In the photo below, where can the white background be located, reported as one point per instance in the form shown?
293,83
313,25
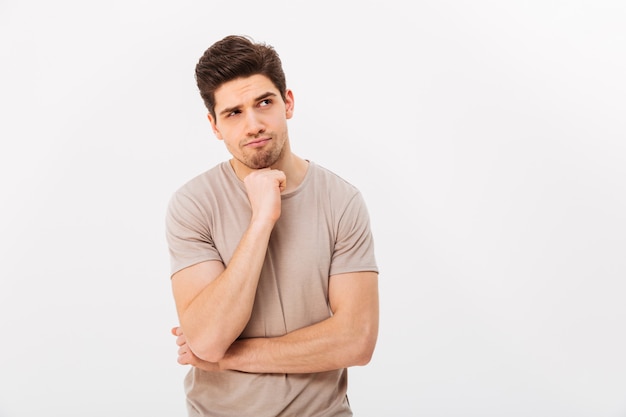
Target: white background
488,138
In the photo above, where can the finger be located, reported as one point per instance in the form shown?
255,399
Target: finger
181,340
181,360
184,357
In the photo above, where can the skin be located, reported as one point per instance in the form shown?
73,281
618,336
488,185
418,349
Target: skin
214,303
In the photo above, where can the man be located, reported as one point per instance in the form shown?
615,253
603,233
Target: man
272,258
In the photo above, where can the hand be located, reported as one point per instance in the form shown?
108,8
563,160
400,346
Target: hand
264,187
186,356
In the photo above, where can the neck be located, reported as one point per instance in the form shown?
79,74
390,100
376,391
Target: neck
292,165
295,170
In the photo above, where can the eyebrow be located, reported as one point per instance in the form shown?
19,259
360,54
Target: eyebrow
259,98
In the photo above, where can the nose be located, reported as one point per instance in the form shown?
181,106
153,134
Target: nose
254,124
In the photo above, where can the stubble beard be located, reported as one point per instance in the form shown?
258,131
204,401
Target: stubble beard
264,158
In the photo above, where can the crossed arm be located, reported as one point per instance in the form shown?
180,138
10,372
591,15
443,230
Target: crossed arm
345,339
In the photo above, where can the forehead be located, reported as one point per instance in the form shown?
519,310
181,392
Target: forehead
242,90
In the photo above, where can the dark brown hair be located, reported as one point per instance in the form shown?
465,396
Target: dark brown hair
234,57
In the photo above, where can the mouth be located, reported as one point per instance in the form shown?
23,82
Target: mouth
257,143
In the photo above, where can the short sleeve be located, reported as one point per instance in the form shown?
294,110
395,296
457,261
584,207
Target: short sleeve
188,233
354,246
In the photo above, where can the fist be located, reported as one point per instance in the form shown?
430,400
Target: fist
263,187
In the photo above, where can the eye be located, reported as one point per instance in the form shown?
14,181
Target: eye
233,113
265,103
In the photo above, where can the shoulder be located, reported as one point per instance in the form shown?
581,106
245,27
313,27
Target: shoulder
202,181
217,181
331,179
334,190
201,191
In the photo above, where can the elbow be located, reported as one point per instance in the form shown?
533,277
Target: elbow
207,351
364,354
209,346
211,355
364,347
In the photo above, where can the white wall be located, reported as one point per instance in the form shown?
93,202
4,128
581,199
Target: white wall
488,138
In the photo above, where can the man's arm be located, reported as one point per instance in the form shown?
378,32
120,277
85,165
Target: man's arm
346,339
214,303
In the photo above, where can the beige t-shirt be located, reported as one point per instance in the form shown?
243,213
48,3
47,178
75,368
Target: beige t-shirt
323,230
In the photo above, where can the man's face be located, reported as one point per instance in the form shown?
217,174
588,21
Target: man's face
251,119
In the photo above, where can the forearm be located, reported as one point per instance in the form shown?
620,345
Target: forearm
328,345
345,339
221,310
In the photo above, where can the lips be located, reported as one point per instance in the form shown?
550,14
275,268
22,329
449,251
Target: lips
257,143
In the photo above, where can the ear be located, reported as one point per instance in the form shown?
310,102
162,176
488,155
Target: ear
289,104
216,131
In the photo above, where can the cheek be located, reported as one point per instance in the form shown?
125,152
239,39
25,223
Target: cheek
224,132
232,146
228,130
